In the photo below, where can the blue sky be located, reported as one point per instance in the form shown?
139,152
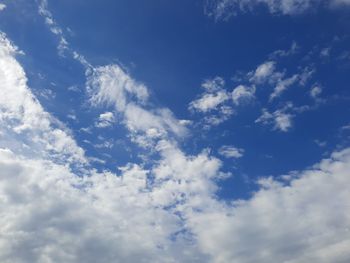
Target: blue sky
211,125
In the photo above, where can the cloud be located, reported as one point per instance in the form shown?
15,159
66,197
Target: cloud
229,151
263,72
315,92
280,119
213,96
285,53
284,222
2,6
209,102
211,85
214,102
106,119
63,45
266,73
111,85
52,211
242,94
224,9
22,116
282,85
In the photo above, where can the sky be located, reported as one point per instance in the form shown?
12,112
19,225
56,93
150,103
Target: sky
210,131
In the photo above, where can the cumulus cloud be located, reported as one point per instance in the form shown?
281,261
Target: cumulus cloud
165,213
284,223
22,116
230,151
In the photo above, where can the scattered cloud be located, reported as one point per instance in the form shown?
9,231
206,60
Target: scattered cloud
279,119
285,53
282,85
214,102
56,208
230,151
224,9
243,94
209,102
213,96
264,72
106,119
63,45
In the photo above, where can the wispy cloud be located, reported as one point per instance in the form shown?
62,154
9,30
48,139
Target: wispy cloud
224,9
230,151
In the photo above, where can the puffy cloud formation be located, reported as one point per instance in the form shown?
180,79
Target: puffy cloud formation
56,208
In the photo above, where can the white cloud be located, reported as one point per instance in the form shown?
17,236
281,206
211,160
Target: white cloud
106,119
214,102
167,213
209,101
229,151
23,118
211,85
282,85
315,92
242,93
280,119
285,53
2,6
53,26
224,9
284,223
264,72
111,85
